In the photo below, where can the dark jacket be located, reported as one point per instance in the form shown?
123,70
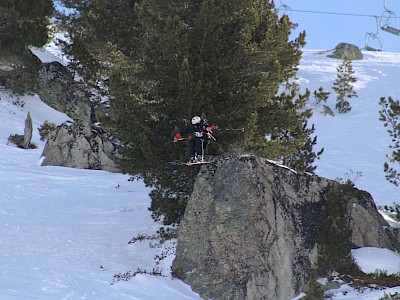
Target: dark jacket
196,130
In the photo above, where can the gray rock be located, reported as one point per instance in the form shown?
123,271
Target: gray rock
82,147
250,230
23,141
349,51
27,131
57,88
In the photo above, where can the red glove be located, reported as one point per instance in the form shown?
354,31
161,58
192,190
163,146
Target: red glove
211,128
177,137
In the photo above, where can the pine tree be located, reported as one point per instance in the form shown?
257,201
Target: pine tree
315,290
24,23
321,96
390,116
223,60
343,86
334,239
98,30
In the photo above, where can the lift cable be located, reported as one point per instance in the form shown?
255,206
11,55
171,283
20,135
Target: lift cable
336,13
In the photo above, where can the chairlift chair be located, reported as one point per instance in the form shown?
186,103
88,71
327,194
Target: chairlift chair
374,37
389,19
390,29
287,11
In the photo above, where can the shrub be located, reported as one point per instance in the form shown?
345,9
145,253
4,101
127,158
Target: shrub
45,129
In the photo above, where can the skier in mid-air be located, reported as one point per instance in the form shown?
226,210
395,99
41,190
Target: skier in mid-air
198,136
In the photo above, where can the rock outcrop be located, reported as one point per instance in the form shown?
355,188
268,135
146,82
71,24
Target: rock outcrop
56,85
250,230
82,147
23,141
349,51
28,131
57,89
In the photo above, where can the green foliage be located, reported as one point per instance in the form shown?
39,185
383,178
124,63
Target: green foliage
24,79
315,292
24,23
334,243
394,211
165,61
390,116
45,129
285,119
101,31
321,97
343,86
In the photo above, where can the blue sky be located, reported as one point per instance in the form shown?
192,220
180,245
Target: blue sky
327,23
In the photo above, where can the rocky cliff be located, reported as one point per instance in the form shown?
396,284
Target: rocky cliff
250,229
82,147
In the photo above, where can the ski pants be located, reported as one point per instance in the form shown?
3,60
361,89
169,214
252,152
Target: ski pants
197,146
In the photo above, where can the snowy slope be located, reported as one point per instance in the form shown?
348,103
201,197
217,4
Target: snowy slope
65,232
356,141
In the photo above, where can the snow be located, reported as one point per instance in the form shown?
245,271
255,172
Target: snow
356,142
387,216
371,259
47,56
346,292
65,232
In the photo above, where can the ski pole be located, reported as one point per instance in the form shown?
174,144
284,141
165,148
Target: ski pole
231,129
211,136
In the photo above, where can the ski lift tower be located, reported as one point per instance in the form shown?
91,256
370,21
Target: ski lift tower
372,38
388,21
286,10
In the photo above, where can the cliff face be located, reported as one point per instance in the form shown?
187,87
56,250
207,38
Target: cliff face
250,230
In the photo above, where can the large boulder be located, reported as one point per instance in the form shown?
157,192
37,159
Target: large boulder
250,230
346,51
82,147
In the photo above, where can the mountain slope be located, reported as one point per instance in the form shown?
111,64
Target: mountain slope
65,232
356,141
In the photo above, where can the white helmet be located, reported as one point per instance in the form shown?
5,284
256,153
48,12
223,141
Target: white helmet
196,120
